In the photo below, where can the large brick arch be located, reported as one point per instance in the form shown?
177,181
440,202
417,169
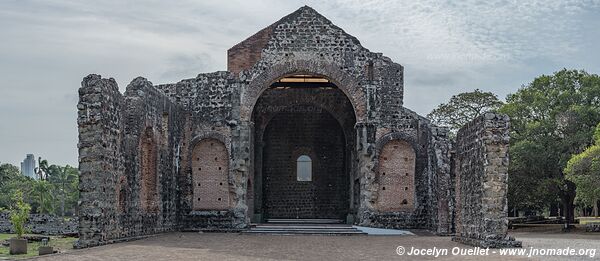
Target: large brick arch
346,83
335,114
396,177
210,169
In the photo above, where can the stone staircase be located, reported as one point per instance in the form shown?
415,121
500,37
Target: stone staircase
304,227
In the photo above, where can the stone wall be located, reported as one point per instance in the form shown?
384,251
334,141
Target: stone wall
442,180
424,213
128,146
210,97
481,169
137,149
211,101
100,158
149,112
42,224
306,42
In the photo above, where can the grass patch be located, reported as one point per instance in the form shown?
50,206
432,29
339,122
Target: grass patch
5,236
59,243
585,220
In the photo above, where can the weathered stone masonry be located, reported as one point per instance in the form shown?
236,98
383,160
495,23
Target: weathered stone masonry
218,151
120,197
42,224
481,167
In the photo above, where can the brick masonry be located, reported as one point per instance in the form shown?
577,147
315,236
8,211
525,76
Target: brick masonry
396,177
148,190
319,136
209,176
143,153
315,122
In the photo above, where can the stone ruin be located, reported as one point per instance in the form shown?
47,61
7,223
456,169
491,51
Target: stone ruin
305,123
480,168
44,224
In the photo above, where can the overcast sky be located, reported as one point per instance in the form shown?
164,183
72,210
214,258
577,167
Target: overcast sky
47,47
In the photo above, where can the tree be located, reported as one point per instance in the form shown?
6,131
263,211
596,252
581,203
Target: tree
43,169
73,196
528,188
42,197
552,118
463,108
584,170
19,213
11,180
8,172
56,183
61,183
63,178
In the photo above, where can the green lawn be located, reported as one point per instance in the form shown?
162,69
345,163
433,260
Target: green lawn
585,220
59,243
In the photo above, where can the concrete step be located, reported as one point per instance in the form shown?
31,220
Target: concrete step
302,227
306,232
305,221
301,224
286,227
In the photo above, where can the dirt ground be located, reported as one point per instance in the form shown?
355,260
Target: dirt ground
233,246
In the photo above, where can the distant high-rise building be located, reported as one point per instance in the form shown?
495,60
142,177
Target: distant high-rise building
28,166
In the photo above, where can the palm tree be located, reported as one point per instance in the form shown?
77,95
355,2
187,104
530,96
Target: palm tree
43,168
41,193
62,177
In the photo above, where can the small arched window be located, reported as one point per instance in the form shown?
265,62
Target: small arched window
304,168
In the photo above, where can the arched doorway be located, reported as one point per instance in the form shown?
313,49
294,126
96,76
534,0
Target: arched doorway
304,151
291,140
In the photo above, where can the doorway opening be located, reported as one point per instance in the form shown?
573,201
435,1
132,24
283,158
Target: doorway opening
304,140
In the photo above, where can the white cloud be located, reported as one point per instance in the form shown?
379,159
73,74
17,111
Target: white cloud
446,47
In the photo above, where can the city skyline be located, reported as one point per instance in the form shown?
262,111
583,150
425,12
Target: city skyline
28,166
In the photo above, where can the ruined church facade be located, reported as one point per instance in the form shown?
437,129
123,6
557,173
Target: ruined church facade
305,124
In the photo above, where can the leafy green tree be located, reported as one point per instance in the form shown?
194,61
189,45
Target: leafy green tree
584,170
597,135
552,118
463,108
11,180
19,213
58,188
528,188
7,173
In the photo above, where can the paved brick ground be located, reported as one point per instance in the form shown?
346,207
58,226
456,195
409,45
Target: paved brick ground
219,246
